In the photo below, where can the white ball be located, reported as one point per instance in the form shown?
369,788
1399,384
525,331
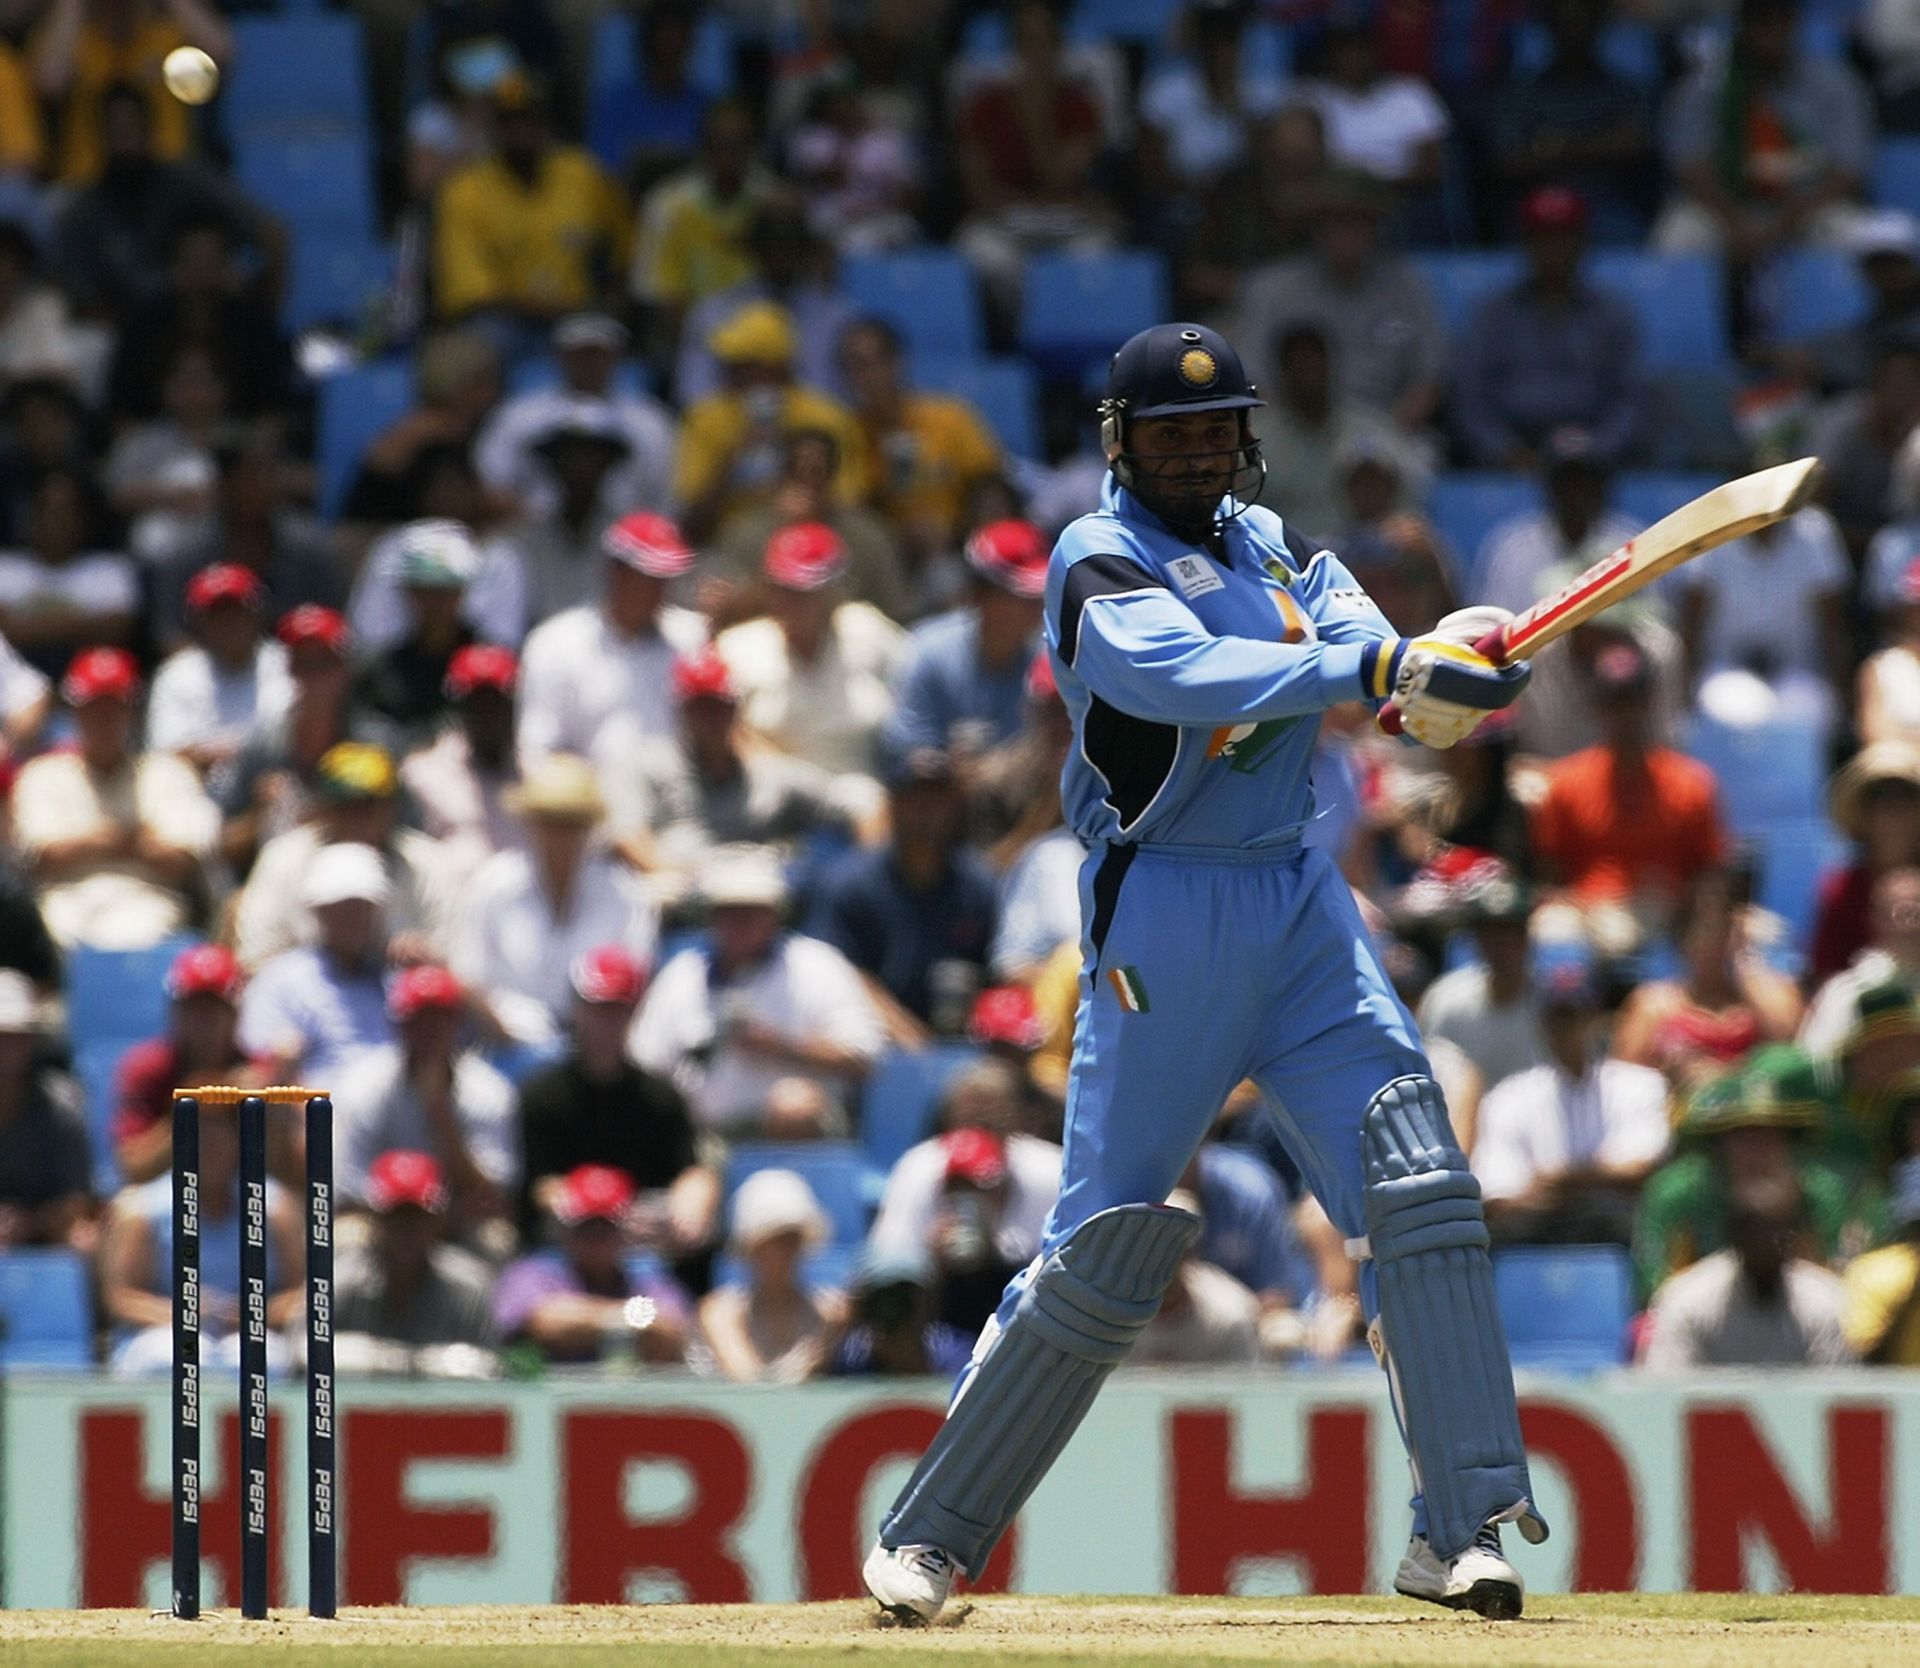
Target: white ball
191,76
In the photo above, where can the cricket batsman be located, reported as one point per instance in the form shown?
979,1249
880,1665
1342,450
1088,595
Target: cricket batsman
1196,641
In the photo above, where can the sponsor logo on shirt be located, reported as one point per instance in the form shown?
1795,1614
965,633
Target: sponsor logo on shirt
1195,576
1349,598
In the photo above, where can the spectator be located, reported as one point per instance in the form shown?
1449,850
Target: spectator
1488,1007
1891,954
1628,825
1759,1303
26,701
426,1092
893,1330
1308,427
457,382
46,430
713,784
1201,112
1882,1314
732,1020
588,1300
1261,211
649,119
595,1106
159,475
925,452
401,686
1886,242
136,1257
1890,35
1877,1063
356,791
1389,347
730,441
859,172
405,1286
1206,1317
87,53
1013,792
22,143
210,696
588,348
46,1169
458,784
535,229
1874,799
64,590
1551,353
36,338
1028,144
1564,1147
1859,436
791,269
1247,1232
963,685
314,1009
583,666
1764,1116
25,944
1887,689
1007,1025
1390,127
916,916
583,448
1523,557
115,839
814,676
531,911
1766,145
200,1045
771,1328
437,553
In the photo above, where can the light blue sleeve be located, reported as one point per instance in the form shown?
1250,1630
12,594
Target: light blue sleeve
1341,609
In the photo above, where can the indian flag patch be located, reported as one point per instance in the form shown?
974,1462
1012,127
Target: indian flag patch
1128,987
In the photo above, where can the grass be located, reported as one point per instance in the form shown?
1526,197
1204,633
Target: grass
1589,1630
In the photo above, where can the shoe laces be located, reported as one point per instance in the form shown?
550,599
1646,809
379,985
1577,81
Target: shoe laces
930,1560
1488,1540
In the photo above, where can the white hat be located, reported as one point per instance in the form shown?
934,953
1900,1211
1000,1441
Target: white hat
19,1009
346,871
1887,231
774,1202
743,874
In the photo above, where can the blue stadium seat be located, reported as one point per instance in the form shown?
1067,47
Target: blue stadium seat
296,72
1076,309
97,1065
1461,280
1896,173
1631,50
1794,857
354,406
834,1170
334,281
1004,391
1808,292
1645,495
1144,22
118,995
1565,1307
929,295
1465,505
320,184
1681,302
46,1309
902,1098
1769,774
709,64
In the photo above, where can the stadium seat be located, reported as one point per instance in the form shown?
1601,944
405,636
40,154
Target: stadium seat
1896,173
1075,308
1645,495
354,406
1565,1307
97,1066
118,995
929,295
1465,505
1460,281
1808,292
1143,22
709,64
46,1310
1794,857
1004,391
334,281
320,184
296,73
1680,300
1631,50
902,1098
833,1169
1770,774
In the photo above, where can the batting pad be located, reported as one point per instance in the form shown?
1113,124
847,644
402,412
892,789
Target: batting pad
1446,1353
1081,1313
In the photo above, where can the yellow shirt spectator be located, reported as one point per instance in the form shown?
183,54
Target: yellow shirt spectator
541,247
1882,1316
102,59
924,464
21,143
693,243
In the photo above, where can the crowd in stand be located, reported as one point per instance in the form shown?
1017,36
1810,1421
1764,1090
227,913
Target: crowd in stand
651,745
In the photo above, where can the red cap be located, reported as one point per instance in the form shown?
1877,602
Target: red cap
97,673
594,1192
427,986
651,543
1553,208
481,666
703,674
1908,589
204,970
402,1178
805,556
310,623
1013,554
225,582
1006,1014
608,974
1041,683
975,1155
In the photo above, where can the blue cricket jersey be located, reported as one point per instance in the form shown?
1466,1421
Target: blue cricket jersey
1196,677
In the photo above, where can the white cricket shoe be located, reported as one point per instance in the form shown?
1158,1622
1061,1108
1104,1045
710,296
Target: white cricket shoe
1480,1579
910,1583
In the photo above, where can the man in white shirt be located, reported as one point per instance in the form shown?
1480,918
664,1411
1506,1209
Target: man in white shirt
1574,530
1488,1009
26,697
582,667
756,1006
442,554
1563,1147
459,782
208,697
1390,126
114,840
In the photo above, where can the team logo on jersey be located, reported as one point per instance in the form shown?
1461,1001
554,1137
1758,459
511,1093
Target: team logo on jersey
1195,576
1245,747
1198,368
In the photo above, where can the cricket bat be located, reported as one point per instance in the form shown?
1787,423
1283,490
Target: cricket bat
1713,519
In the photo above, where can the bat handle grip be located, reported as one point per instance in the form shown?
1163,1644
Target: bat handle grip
1493,646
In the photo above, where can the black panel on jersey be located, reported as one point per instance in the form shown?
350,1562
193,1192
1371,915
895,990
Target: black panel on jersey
1135,755
1099,575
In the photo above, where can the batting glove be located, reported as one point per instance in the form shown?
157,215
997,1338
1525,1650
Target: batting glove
1442,690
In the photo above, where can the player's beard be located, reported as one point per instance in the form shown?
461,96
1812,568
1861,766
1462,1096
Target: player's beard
1186,493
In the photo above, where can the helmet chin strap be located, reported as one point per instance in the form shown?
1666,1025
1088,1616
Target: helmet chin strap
1244,485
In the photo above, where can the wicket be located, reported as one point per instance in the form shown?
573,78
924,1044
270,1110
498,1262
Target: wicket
322,1564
